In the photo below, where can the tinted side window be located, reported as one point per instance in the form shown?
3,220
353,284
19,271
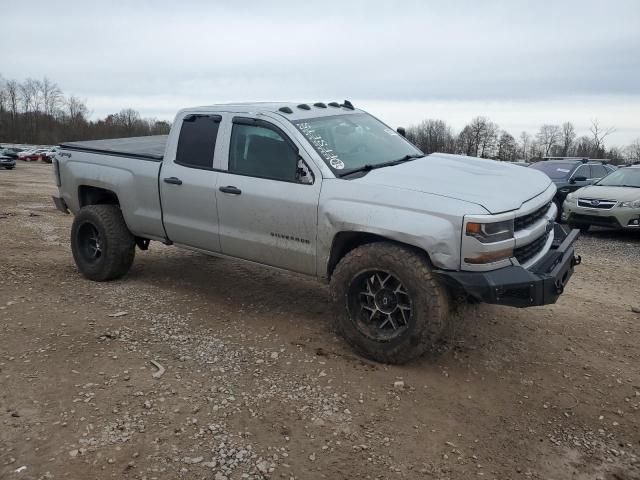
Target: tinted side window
197,141
583,171
261,152
598,171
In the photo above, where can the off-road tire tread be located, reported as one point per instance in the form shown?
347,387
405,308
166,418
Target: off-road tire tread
119,243
430,322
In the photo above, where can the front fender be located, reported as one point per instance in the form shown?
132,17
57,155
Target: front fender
430,222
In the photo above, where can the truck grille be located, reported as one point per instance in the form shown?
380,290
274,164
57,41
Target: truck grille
596,203
527,252
520,223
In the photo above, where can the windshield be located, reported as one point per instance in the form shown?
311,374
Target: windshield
555,170
351,141
624,177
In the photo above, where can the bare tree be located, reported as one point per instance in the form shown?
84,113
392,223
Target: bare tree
479,138
4,98
599,133
568,136
507,147
465,142
51,96
432,136
76,109
584,147
632,151
548,137
13,96
27,95
525,143
128,119
489,140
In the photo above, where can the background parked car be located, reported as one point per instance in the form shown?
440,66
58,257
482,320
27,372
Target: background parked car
10,152
28,155
7,162
612,202
48,154
570,175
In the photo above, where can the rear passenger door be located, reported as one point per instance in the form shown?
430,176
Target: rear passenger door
188,183
268,197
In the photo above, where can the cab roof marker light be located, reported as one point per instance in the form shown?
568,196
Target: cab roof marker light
347,104
285,110
319,105
334,104
304,106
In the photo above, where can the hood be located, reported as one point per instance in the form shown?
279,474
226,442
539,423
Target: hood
620,194
496,186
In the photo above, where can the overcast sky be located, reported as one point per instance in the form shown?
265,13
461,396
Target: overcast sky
520,63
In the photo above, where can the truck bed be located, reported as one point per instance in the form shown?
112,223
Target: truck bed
146,148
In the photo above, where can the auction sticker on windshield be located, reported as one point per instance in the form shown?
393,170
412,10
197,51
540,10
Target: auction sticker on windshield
321,145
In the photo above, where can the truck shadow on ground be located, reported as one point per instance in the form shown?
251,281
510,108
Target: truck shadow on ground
266,297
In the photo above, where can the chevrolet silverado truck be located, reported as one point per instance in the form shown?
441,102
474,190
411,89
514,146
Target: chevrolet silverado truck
329,191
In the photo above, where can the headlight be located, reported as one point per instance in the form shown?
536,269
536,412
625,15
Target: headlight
490,232
571,197
632,204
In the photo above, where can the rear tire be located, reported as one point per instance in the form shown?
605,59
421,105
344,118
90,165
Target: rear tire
389,306
102,246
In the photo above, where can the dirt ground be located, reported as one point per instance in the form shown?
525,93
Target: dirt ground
257,385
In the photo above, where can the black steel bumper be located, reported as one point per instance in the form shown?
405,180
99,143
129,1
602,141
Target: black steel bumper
4,163
60,204
541,284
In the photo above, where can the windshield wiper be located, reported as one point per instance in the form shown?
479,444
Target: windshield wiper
367,167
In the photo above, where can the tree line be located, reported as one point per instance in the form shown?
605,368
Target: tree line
38,112
484,138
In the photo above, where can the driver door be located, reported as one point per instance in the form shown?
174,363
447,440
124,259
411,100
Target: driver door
268,210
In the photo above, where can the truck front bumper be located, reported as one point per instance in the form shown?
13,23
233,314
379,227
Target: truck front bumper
516,286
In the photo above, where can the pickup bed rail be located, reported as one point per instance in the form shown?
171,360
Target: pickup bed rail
144,148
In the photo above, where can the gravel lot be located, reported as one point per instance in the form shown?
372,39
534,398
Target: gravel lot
257,386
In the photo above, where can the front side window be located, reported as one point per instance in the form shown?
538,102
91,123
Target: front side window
197,141
259,151
346,142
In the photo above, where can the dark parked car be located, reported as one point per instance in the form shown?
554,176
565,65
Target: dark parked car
570,175
7,162
10,152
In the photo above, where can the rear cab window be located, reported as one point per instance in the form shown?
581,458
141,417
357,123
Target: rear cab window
197,141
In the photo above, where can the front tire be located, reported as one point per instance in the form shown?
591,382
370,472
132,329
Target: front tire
389,306
102,246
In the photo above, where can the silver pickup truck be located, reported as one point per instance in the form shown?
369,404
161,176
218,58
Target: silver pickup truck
325,190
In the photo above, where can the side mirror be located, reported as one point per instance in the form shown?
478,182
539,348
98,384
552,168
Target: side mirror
578,179
401,131
303,173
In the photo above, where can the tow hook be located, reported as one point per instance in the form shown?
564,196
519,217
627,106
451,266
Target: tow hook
576,260
559,284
